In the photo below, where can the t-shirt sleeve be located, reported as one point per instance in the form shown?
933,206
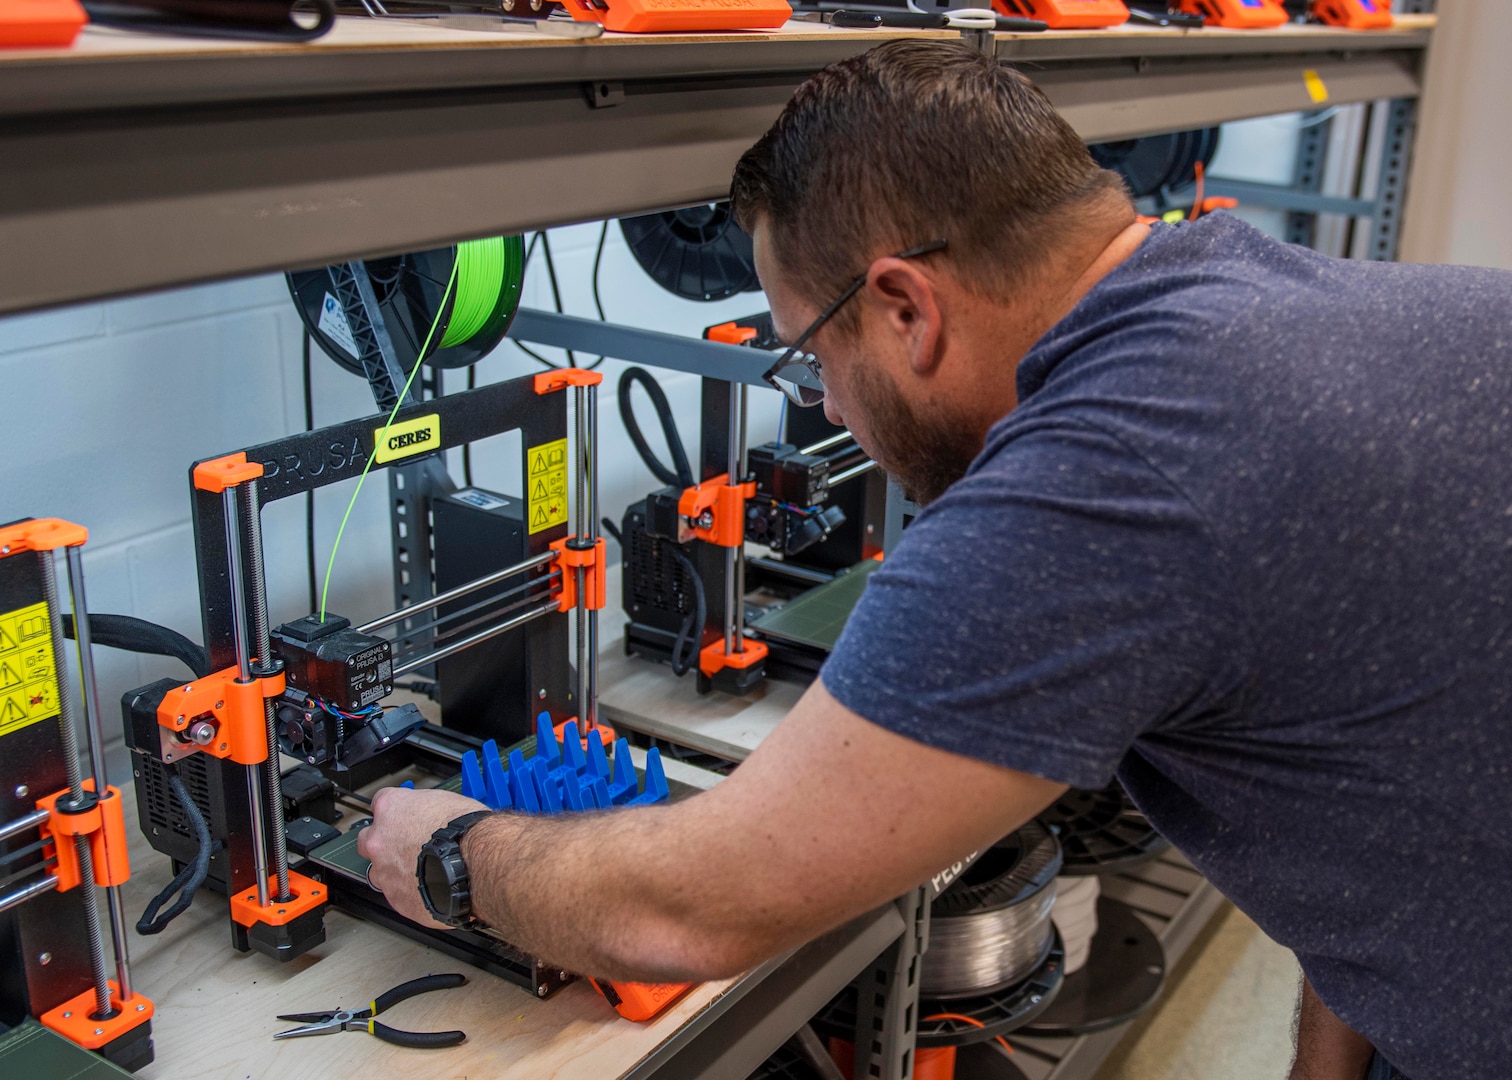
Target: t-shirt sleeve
1060,602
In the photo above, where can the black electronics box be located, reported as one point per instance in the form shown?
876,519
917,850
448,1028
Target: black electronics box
482,690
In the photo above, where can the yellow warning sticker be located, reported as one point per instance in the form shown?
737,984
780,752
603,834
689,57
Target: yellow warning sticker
546,485
28,679
1315,88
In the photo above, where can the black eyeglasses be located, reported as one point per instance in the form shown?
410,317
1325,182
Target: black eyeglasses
796,373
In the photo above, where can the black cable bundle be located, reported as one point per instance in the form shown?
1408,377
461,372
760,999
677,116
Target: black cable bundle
140,636
681,473
678,475
191,877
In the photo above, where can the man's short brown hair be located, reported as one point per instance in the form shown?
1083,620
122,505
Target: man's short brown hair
909,142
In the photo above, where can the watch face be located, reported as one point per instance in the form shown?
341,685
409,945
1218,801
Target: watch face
438,886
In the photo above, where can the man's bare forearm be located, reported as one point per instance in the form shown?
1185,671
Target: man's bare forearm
830,816
571,891
1327,1048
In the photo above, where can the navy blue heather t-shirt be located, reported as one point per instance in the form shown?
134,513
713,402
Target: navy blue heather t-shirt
1246,543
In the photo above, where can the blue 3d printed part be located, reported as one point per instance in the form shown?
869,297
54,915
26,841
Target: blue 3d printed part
561,778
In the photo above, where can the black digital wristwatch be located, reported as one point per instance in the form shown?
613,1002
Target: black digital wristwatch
444,883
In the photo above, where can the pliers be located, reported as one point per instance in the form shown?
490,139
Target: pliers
339,1019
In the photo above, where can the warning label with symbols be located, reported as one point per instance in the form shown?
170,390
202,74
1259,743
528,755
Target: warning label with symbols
546,484
28,680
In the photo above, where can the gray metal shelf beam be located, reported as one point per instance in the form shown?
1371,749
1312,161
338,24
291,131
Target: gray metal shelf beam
750,1029
124,175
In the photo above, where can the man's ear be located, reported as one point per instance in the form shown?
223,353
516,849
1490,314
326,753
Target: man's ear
905,298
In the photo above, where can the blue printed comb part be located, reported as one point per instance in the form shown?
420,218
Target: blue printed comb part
574,775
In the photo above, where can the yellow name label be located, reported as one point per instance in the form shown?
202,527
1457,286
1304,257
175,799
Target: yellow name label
546,485
1315,88
28,679
412,437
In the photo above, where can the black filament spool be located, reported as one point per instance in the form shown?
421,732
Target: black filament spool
1101,832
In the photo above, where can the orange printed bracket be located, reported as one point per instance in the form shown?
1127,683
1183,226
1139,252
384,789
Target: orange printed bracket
103,825
1237,14
306,894
40,534
550,381
72,1020
607,734
218,474
713,658
236,709
1355,14
1067,14
724,503
650,16
640,1001
40,23
593,561
731,333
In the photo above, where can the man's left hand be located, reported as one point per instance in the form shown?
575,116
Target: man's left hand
403,821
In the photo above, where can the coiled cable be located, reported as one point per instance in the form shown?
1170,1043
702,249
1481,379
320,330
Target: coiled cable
680,475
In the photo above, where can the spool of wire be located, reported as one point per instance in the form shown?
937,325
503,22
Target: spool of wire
991,928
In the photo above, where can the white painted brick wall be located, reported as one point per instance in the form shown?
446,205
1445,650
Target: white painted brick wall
107,404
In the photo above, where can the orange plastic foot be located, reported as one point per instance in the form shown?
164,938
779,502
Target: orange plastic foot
72,1020
605,732
713,658
308,895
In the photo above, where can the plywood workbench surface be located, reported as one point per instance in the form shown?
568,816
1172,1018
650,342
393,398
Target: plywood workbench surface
216,1009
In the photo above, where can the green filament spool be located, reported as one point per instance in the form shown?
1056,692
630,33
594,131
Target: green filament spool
489,273
469,319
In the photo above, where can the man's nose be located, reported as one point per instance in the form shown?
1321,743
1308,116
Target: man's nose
832,411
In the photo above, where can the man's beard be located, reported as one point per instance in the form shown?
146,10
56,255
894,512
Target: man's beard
923,456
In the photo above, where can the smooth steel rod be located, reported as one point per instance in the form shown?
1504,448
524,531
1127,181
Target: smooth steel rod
734,632
853,472
441,628
524,617
580,513
452,594
26,892
68,731
96,739
238,587
590,461
825,444
262,646
21,824
488,619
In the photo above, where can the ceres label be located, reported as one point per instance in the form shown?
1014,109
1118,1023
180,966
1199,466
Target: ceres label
415,436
